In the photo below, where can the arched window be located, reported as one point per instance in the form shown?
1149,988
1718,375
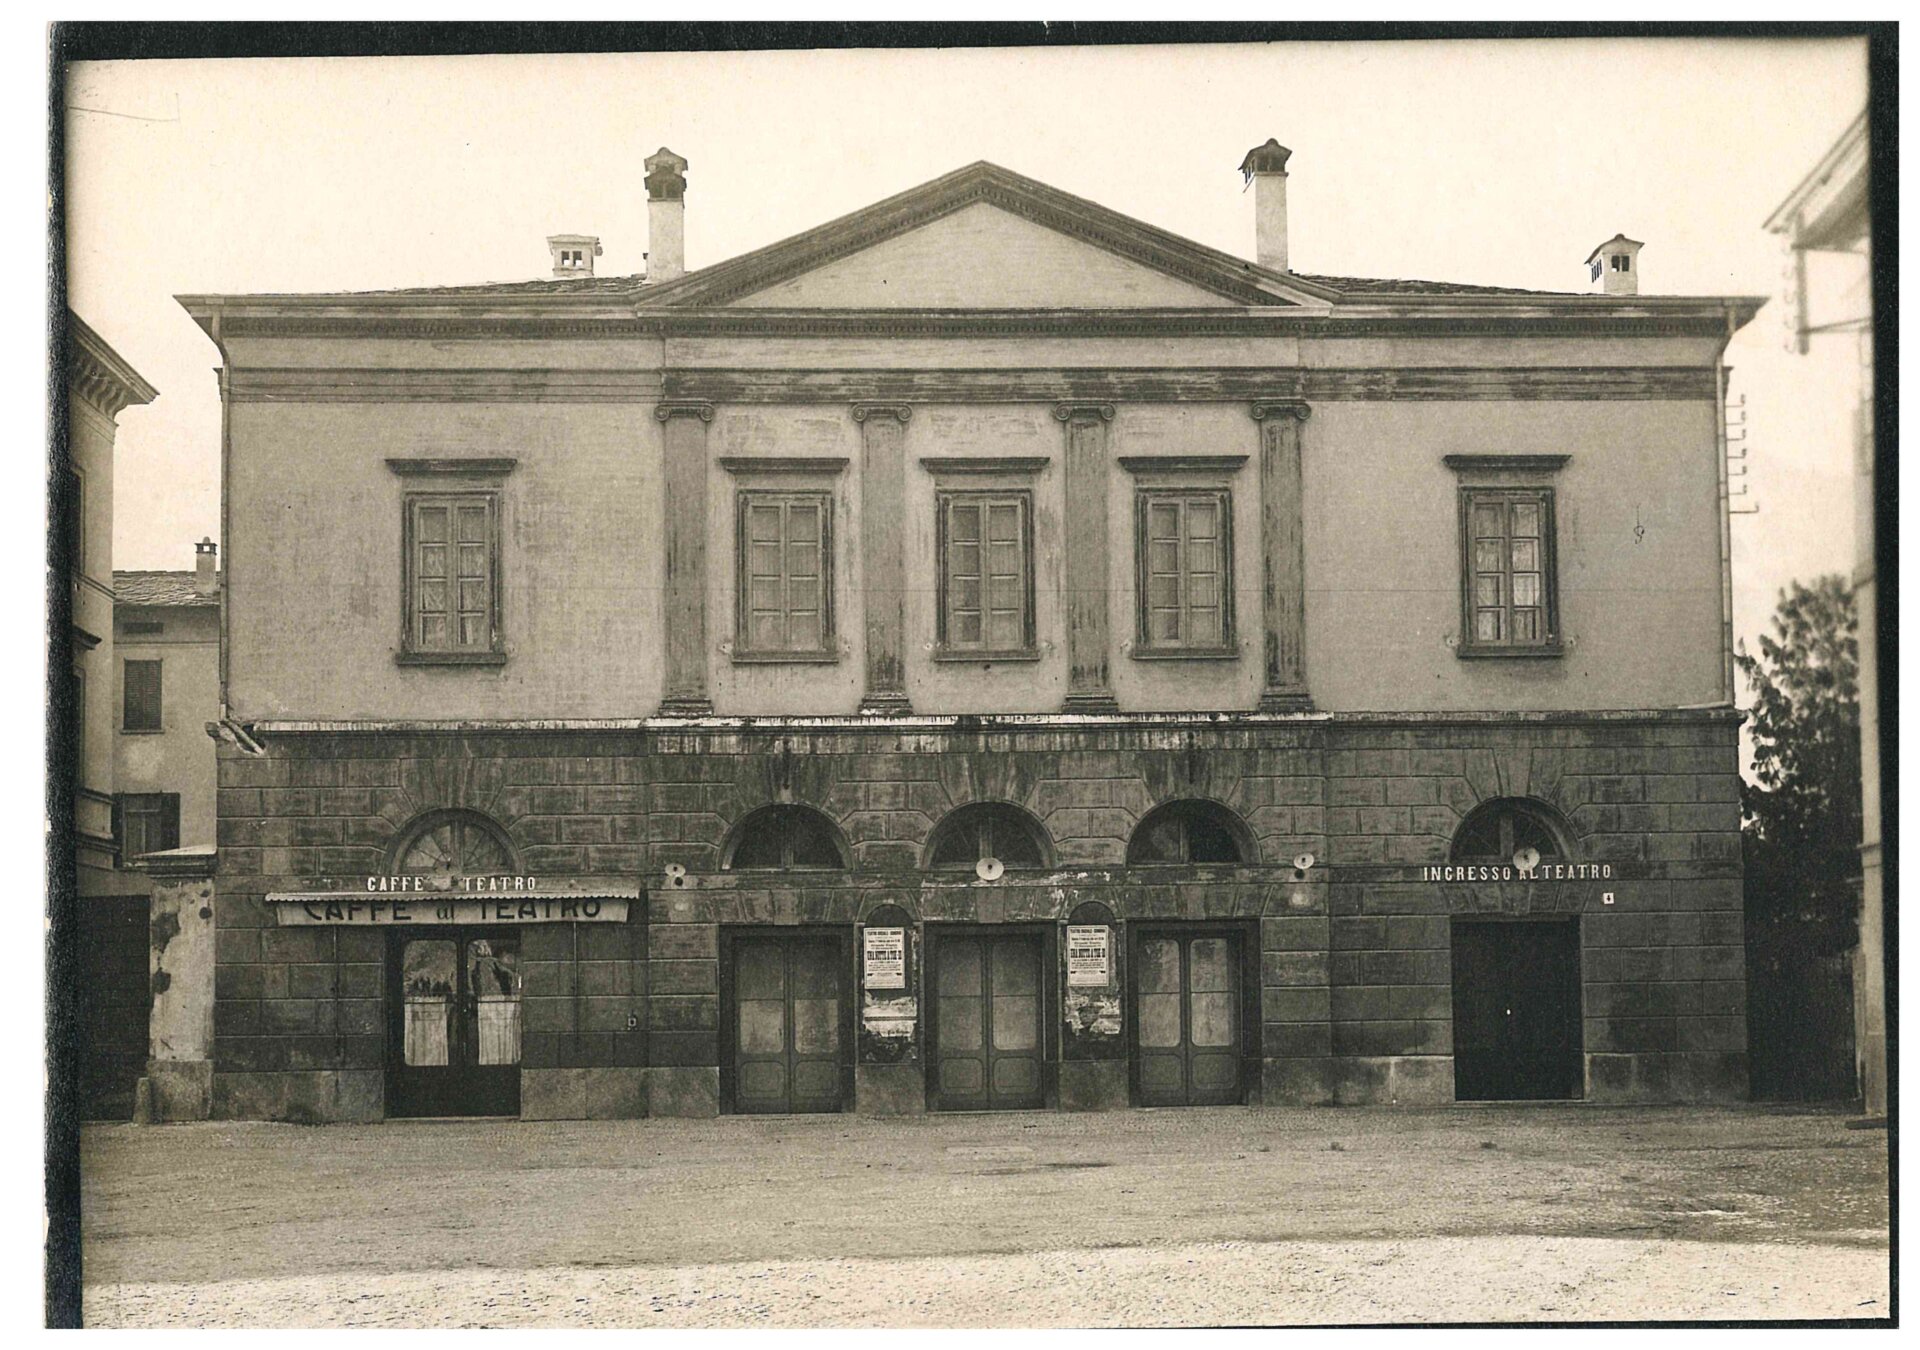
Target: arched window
1496,830
454,843
1189,832
987,830
781,837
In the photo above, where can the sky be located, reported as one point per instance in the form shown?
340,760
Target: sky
1499,163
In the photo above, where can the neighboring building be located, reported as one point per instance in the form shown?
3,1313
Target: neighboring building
1828,214
983,652
167,636
112,923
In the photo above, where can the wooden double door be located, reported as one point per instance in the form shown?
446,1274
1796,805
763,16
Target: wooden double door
454,1029
1188,1016
790,1013
1516,1010
988,1029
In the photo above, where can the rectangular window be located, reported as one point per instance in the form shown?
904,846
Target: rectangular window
452,590
146,822
785,602
1183,548
140,710
985,548
1507,545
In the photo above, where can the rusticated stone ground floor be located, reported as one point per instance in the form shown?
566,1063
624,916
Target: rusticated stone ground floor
1050,914
1213,1216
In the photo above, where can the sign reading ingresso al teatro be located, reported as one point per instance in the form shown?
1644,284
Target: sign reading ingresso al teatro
462,900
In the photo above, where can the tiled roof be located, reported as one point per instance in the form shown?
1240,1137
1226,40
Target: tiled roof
160,588
543,286
1378,286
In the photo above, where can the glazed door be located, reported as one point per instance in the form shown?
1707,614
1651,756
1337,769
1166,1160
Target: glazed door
454,1039
1516,1010
788,1008
1187,1011
987,1023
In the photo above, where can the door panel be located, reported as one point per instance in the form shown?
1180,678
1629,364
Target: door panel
988,1012
1187,1019
456,1030
1516,1011
788,1013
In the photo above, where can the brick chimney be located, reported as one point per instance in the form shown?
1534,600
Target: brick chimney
1614,267
1266,167
666,215
206,556
573,254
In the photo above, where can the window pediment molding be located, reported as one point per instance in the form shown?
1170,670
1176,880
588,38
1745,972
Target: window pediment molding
489,467
982,465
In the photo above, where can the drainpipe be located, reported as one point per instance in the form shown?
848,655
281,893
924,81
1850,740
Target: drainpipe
1722,374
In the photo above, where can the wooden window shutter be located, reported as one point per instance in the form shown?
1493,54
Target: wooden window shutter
785,601
141,707
1508,566
452,547
1184,549
986,572
169,831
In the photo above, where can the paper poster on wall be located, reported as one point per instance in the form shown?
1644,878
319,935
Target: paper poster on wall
1088,961
886,958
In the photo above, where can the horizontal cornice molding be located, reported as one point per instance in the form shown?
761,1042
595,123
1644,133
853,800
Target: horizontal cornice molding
1264,385
386,385
782,464
494,467
99,374
1164,464
1401,317
983,464
1471,464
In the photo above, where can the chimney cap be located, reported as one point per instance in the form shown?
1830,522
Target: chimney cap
206,545
666,178
1269,158
1630,245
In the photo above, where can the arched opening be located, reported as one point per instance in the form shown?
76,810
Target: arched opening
784,838
972,834
1194,831
1497,829
454,843
1517,1032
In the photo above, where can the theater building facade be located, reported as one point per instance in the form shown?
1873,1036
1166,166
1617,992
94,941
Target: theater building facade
985,653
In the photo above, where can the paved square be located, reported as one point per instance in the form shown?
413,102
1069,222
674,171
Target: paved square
1190,1217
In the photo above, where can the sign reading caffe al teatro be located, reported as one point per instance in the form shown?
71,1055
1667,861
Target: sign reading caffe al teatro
460,900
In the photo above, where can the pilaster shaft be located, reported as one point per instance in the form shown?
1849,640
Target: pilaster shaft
685,475
883,437
1282,556
1089,641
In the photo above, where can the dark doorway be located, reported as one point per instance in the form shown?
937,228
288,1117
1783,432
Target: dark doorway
116,1000
454,1022
1516,1010
789,1024
1187,1017
988,1033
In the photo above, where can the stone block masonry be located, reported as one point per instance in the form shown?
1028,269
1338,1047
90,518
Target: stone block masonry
1352,962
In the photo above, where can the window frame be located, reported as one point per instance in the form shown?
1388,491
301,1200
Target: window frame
167,812
991,814
783,816
159,725
743,649
944,646
1549,644
1145,497
1503,811
412,651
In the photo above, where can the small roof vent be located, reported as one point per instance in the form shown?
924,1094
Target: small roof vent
1614,267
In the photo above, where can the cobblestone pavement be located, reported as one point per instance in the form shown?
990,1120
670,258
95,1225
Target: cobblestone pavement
1224,1216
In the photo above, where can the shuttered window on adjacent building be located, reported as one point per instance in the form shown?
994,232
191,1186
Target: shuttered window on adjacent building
785,601
140,710
452,574
1508,568
1183,548
985,548
146,822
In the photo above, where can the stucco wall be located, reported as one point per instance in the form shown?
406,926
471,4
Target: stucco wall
316,514
180,756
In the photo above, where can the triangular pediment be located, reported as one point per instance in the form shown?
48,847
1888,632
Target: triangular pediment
981,239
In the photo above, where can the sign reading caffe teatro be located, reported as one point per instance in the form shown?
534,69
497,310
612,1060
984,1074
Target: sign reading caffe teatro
491,899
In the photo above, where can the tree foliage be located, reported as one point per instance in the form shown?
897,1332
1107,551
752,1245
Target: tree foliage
1801,812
